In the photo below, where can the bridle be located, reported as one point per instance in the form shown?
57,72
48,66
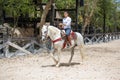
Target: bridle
45,34
46,37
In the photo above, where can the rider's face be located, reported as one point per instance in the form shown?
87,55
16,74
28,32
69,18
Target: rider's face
65,14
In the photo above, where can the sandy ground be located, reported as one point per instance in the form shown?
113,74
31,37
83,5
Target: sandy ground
102,62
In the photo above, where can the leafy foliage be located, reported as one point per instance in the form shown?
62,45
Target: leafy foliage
18,7
111,8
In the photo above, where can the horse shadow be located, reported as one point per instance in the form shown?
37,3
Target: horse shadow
63,64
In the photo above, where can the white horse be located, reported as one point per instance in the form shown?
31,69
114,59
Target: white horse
55,35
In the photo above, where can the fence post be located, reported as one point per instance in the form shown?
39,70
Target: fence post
77,14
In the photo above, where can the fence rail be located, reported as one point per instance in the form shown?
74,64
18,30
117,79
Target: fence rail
28,44
98,38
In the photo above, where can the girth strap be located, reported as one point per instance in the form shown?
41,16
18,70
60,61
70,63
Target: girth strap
56,40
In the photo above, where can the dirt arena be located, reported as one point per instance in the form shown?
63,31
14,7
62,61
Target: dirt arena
102,62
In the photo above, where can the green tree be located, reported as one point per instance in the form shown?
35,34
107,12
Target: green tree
109,8
18,7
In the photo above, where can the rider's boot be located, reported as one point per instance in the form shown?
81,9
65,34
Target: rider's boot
69,40
65,42
64,45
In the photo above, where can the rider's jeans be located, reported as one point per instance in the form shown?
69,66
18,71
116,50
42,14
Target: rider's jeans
67,31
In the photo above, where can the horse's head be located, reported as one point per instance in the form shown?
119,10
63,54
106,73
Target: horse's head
50,31
44,32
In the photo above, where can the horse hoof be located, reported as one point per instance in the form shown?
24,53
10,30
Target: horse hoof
58,65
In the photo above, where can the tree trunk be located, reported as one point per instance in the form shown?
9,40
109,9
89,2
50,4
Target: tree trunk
44,14
87,18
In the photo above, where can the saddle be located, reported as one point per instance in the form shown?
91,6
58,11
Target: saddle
67,40
73,35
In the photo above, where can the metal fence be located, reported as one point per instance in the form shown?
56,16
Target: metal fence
29,45
99,38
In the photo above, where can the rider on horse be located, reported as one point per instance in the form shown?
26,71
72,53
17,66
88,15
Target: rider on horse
66,25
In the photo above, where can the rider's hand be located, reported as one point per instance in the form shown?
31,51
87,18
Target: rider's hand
61,25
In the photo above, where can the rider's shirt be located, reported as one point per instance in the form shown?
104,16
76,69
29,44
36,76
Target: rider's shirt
67,22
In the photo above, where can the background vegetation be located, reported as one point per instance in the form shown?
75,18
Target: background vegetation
90,15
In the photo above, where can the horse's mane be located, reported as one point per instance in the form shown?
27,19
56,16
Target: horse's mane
55,30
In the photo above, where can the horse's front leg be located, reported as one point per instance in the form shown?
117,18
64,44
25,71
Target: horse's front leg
52,55
59,57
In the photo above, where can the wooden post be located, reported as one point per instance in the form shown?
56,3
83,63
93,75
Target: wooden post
104,24
6,50
31,48
115,21
52,13
76,15
81,3
3,14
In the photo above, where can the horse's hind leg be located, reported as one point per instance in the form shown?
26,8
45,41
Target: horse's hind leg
72,53
82,51
59,57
